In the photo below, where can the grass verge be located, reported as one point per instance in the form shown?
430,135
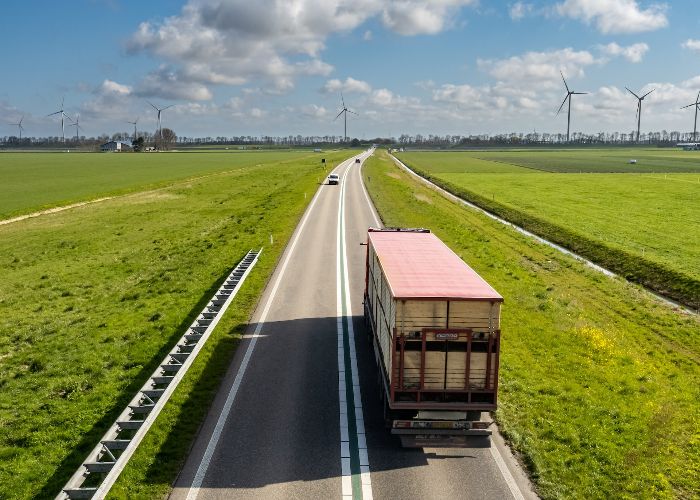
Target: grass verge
93,298
598,383
657,276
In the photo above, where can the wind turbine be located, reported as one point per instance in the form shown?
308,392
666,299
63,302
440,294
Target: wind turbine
77,126
639,108
63,116
569,93
134,124
159,110
695,127
19,125
346,111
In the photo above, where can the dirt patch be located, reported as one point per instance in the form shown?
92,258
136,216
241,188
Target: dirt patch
52,211
423,198
151,196
393,175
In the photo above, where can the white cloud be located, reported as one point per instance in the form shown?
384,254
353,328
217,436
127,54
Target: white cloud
314,111
420,17
166,83
691,44
616,16
367,36
538,67
108,86
257,113
633,53
348,86
231,42
519,10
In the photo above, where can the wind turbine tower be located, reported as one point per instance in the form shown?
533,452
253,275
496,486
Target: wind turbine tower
77,126
19,126
569,93
134,124
639,108
344,111
695,127
63,117
159,110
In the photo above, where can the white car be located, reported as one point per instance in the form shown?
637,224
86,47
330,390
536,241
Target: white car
333,179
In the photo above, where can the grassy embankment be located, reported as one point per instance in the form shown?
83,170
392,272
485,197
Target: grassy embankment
92,298
644,227
599,383
37,181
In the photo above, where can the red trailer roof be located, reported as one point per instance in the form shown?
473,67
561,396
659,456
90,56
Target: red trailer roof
419,265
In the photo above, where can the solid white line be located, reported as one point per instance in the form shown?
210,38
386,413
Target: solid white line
507,476
364,190
346,472
223,416
366,483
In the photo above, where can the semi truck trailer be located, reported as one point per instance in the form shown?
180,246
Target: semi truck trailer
434,324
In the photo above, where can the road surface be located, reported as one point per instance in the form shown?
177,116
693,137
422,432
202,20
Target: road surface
298,414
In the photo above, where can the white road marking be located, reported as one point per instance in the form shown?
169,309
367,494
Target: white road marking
223,416
343,291
507,476
372,209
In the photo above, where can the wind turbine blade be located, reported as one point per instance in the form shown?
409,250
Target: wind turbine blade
20,121
580,93
689,105
652,90
163,109
697,99
57,112
352,112
562,104
564,79
336,117
635,95
153,105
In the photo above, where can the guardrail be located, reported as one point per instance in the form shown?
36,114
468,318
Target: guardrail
102,467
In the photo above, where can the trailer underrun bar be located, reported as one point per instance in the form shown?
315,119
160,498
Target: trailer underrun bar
102,467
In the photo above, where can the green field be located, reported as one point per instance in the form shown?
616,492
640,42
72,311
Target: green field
92,298
643,226
36,181
598,160
598,388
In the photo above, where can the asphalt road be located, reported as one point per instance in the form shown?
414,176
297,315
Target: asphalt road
288,419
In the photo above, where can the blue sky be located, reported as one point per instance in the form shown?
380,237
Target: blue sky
405,66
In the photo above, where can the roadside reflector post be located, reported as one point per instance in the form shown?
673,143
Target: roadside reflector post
271,240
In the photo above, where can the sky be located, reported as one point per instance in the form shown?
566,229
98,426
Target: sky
266,67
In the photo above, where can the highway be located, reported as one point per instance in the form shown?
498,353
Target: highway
298,414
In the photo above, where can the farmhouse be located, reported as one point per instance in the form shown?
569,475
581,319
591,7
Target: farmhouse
115,146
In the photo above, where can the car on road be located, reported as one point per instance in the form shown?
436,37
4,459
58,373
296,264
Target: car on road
357,160
333,179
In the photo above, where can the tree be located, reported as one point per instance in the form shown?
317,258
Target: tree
138,144
354,143
168,139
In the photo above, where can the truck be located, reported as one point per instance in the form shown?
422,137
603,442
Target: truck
434,325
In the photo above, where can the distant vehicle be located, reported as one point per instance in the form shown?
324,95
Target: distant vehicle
435,328
633,162
333,179
357,160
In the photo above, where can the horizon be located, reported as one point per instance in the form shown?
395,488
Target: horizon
442,68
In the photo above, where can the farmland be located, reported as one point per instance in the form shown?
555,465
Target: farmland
36,181
91,299
598,389
644,226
